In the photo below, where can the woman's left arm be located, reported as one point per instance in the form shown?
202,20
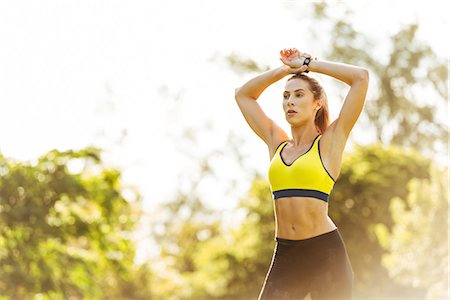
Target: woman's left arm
358,79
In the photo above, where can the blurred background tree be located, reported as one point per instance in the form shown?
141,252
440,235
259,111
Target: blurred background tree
66,230
417,244
408,84
224,263
400,111
376,186
370,177
232,263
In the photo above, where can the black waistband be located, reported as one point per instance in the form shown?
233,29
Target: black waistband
301,193
316,238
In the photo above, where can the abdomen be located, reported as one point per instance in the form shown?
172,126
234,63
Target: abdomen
300,218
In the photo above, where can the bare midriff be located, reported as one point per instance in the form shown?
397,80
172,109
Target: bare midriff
298,218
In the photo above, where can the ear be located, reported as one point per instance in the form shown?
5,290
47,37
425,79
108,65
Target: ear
319,103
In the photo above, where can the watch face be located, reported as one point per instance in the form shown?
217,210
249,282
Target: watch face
306,62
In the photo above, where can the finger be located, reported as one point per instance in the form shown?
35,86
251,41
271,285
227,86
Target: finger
284,61
304,54
298,70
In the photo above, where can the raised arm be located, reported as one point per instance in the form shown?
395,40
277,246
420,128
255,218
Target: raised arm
358,80
246,97
356,77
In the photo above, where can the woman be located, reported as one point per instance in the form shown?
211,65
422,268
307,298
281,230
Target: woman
310,256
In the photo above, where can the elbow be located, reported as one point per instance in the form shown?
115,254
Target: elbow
359,76
238,94
243,95
363,74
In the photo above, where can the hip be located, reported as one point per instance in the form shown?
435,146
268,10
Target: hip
318,265
316,253
301,258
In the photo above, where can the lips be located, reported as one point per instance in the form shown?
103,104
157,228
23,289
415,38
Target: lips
291,111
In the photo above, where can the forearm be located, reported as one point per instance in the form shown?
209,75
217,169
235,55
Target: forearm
343,72
255,86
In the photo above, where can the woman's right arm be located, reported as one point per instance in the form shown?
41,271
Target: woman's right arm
246,97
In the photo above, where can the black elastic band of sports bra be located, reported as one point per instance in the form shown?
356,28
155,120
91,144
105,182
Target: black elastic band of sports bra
301,193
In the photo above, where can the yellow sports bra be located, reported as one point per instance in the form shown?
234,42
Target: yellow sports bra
305,177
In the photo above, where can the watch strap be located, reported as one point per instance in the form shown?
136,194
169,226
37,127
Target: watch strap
306,62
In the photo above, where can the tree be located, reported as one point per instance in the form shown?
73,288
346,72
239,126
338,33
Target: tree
203,259
398,114
417,243
210,261
370,177
65,230
181,228
245,252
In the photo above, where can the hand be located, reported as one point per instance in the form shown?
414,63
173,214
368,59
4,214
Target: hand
294,59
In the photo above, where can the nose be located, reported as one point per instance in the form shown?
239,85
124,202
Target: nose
290,101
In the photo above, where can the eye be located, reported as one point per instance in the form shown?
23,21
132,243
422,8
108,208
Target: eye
299,95
285,96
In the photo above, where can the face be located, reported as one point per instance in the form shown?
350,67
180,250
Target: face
298,102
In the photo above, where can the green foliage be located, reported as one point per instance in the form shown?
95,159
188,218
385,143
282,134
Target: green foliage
209,261
370,177
66,234
203,260
254,241
410,66
242,65
409,80
418,249
181,229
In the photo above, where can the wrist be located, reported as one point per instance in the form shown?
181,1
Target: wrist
283,70
312,65
306,61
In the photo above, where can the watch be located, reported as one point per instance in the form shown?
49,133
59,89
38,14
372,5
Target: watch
306,62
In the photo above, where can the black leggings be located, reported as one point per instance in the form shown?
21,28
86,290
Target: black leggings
318,265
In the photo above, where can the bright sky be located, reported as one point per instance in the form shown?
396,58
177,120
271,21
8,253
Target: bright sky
76,73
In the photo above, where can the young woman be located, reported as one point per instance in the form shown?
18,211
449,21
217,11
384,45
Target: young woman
310,256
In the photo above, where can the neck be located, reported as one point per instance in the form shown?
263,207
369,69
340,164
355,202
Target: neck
302,135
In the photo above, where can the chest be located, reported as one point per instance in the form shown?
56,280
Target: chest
289,155
295,168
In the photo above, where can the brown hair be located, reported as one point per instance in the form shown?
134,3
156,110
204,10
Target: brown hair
322,118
